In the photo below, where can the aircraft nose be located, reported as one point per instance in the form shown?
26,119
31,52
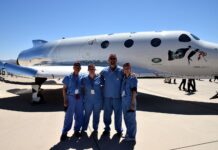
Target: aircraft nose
21,59
17,62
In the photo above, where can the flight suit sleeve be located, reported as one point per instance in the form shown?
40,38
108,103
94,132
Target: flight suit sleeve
65,80
133,84
102,78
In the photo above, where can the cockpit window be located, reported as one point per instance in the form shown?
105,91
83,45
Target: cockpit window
195,37
184,38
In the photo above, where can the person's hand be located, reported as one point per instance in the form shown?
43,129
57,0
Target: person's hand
132,108
65,108
65,103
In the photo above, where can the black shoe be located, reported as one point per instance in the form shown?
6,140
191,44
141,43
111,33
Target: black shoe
63,137
180,88
189,92
106,132
95,132
83,131
119,134
77,134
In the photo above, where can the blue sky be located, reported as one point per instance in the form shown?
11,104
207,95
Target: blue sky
21,21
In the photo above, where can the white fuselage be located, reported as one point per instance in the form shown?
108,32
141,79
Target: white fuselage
146,50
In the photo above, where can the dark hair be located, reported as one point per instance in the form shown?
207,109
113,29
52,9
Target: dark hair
91,65
127,64
112,55
77,64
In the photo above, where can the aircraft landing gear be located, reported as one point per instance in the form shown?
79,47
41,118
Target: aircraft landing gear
37,97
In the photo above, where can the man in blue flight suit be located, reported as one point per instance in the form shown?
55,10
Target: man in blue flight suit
92,98
73,102
129,92
111,78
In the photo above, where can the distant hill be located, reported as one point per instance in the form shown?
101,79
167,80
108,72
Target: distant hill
11,61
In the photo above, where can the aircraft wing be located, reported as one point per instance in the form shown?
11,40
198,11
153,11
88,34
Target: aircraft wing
16,74
53,72
37,75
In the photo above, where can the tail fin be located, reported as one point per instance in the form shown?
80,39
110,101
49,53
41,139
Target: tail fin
39,42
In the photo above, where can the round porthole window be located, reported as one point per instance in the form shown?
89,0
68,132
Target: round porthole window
128,43
104,44
155,42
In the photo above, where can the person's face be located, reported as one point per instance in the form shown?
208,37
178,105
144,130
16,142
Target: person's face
76,69
112,61
91,70
127,70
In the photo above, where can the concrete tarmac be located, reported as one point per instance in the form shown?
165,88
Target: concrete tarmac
167,119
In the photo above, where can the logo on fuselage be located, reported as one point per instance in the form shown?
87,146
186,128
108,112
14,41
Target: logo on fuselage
156,60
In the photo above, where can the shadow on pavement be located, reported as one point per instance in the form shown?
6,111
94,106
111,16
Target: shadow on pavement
85,142
93,142
151,103
22,102
145,102
114,143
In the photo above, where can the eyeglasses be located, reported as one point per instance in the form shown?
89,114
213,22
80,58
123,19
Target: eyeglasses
127,68
76,67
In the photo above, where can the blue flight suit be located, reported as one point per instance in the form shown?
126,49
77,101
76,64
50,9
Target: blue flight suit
75,103
111,81
129,84
92,100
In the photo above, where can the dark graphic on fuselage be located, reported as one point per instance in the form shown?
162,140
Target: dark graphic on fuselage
191,54
200,55
179,54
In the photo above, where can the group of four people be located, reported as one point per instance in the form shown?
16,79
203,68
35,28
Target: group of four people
114,89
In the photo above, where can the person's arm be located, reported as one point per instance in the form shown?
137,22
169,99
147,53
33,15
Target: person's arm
65,96
133,100
134,94
83,87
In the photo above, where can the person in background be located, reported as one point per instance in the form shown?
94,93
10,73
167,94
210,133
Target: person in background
182,84
191,86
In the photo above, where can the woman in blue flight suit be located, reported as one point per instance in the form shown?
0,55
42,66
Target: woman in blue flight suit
73,102
129,92
92,98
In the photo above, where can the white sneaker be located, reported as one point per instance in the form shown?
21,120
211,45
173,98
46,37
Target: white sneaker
126,136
